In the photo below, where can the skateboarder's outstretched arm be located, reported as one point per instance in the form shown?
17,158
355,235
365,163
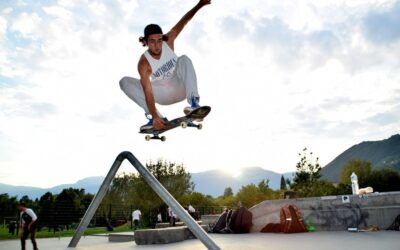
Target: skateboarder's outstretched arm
174,32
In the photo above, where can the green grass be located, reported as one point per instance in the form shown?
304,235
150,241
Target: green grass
44,233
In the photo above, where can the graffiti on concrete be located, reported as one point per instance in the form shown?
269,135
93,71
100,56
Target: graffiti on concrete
338,218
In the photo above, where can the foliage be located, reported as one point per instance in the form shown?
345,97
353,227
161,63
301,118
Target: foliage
384,180
308,169
46,211
283,183
361,168
197,199
252,194
8,206
228,192
69,206
132,189
306,181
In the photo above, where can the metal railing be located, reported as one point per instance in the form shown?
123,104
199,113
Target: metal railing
196,229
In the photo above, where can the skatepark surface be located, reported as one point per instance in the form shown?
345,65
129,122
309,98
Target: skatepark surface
388,240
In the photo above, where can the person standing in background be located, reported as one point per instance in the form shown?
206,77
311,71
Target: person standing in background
136,218
28,225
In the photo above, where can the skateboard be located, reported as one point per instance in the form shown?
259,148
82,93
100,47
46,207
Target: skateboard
188,120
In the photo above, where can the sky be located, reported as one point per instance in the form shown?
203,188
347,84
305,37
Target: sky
279,75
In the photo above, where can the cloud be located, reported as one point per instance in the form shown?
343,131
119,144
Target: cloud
234,27
19,104
113,114
27,25
391,116
382,26
287,45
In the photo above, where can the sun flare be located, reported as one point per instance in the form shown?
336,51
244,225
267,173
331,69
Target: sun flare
237,174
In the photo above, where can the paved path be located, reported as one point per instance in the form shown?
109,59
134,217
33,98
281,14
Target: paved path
387,240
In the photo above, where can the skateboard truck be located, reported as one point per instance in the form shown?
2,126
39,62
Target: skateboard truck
191,124
155,137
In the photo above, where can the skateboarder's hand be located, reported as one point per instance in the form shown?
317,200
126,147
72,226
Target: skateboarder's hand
158,123
204,2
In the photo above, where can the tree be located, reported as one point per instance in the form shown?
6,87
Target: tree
252,194
361,168
308,173
249,195
28,202
384,180
228,192
133,190
46,210
197,200
228,199
8,206
263,185
283,183
68,206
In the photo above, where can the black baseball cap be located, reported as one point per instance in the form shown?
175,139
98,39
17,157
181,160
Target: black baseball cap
152,29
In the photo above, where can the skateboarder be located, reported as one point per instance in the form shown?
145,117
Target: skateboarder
28,224
165,78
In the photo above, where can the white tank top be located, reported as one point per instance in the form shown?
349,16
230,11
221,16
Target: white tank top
164,67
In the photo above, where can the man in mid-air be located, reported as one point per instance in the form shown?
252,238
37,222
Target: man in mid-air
165,78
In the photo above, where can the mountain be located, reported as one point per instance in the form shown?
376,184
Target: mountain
211,182
90,184
380,153
214,182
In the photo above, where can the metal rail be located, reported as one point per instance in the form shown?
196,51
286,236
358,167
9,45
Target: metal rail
196,229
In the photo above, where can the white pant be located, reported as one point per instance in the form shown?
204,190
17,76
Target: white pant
182,85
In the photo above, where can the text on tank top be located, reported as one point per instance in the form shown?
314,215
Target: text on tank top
164,67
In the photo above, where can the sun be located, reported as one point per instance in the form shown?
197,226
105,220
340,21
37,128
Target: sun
237,174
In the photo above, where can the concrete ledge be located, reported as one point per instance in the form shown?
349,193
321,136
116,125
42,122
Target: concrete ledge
163,235
177,224
121,237
334,213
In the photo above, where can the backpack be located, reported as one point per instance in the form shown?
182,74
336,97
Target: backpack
241,221
395,225
221,226
291,220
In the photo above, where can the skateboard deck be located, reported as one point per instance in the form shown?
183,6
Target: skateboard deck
188,120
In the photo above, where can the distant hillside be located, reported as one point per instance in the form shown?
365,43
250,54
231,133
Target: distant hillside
211,182
379,153
214,182
90,184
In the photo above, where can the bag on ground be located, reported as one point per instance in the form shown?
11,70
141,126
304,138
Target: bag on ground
221,226
241,221
395,225
292,220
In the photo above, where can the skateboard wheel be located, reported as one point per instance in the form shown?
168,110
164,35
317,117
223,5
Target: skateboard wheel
163,138
200,126
183,124
147,137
